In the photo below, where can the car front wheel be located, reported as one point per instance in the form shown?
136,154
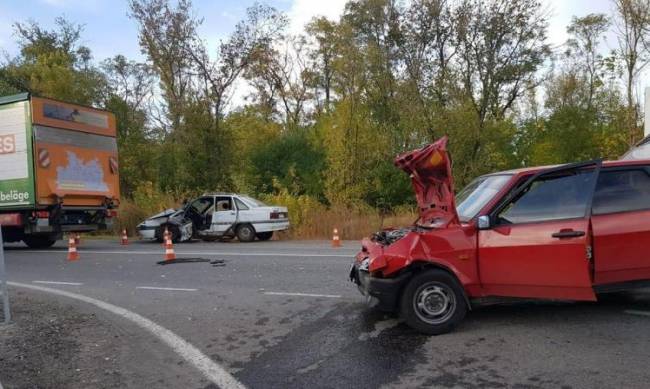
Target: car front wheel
433,302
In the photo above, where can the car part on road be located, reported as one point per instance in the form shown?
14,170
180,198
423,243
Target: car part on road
245,233
182,260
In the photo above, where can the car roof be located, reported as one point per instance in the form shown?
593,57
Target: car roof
536,169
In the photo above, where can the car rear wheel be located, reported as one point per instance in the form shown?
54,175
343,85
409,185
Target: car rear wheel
39,241
433,302
265,235
245,233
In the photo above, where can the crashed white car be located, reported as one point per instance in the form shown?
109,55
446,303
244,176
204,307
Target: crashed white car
217,216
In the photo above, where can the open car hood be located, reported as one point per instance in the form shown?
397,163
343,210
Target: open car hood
430,172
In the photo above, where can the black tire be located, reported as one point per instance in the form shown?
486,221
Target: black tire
245,233
433,302
265,235
39,241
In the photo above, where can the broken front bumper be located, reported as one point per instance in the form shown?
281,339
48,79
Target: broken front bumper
382,293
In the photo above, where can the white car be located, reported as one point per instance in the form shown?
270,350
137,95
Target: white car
215,216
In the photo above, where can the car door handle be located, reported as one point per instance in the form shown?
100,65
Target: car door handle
568,234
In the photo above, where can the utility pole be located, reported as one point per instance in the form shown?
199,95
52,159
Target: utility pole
3,282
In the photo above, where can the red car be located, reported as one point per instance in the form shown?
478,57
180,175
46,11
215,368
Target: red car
564,233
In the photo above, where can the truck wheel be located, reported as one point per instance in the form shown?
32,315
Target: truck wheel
265,235
433,302
245,233
38,242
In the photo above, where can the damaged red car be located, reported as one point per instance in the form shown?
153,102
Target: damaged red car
565,232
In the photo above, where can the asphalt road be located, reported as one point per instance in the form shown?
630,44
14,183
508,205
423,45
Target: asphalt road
283,315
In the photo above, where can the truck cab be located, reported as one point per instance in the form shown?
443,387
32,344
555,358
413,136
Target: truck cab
561,232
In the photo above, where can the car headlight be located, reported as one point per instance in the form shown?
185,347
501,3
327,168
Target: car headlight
364,264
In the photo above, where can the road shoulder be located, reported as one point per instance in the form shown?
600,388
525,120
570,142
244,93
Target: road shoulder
56,343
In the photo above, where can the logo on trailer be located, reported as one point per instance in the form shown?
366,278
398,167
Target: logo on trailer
44,158
7,144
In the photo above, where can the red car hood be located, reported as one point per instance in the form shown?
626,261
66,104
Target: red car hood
430,172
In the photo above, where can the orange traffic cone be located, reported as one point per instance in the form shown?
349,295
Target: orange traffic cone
165,236
336,241
77,239
169,249
73,254
125,238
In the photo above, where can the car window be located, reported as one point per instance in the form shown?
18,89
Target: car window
202,204
254,202
550,198
620,191
240,205
223,204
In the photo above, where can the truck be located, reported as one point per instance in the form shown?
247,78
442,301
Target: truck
58,169
567,232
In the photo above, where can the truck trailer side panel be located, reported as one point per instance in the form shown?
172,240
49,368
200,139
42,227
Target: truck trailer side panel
16,170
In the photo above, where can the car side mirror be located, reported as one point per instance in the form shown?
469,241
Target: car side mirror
483,222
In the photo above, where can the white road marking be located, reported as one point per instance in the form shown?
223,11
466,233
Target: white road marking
161,288
638,313
211,253
334,296
211,370
58,283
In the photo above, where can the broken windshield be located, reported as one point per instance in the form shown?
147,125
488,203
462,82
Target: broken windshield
475,195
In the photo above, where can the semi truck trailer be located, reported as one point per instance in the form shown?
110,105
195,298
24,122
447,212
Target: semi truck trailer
58,169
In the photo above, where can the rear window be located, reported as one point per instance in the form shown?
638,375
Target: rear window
622,191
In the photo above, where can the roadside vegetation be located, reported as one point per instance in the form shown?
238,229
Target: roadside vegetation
313,121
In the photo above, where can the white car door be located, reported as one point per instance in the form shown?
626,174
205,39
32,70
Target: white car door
225,215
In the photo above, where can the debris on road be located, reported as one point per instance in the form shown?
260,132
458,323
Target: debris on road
182,260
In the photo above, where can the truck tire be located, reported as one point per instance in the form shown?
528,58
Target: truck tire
265,235
245,233
433,302
38,241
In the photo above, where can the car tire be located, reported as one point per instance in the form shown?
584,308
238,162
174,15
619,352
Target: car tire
38,242
245,233
433,302
265,235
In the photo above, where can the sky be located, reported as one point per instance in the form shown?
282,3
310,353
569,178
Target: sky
109,31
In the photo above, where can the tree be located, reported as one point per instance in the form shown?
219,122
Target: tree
632,22
53,64
586,34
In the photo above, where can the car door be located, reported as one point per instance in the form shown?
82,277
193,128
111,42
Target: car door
224,216
621,225
539,242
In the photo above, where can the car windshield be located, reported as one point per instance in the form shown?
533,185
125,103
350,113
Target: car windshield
474,196
254,202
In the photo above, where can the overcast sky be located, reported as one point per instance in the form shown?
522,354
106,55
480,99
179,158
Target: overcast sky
109,31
